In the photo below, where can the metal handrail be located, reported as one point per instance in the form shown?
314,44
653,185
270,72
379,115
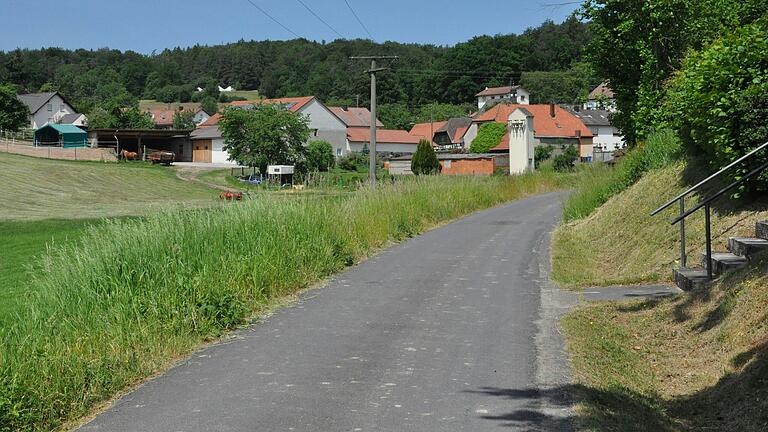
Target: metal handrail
708,179
706,204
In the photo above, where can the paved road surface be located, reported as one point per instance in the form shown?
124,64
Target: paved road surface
438,333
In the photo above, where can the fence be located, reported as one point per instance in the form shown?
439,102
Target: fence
27,148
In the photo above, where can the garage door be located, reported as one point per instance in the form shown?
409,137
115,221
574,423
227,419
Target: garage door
201,151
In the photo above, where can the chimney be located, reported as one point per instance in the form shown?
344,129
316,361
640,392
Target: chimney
344,108
552,109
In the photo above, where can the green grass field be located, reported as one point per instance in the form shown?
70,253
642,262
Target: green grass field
35,189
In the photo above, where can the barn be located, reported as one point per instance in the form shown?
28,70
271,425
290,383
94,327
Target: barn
61,135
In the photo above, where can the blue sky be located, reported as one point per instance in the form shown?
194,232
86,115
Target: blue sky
144,25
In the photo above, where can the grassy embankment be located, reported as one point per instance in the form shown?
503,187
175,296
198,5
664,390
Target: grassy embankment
130,295
697,362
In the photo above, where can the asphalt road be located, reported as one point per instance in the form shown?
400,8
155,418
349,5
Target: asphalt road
438,333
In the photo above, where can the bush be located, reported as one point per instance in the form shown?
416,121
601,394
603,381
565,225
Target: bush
598,183
488,136
718,99
425,161
542,153
354,161
566,160
320,156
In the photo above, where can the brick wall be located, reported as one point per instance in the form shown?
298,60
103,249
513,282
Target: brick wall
467,167
84,153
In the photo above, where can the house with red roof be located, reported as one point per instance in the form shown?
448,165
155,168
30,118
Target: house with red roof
493,95
444,135
388,141
552,125
601,98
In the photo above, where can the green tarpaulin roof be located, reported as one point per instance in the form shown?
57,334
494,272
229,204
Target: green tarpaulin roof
64,128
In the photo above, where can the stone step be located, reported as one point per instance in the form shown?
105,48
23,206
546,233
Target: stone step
724,261
761,230
747,246
689,278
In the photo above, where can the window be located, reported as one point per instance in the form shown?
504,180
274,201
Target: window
338,151
314,131
50,107
62,107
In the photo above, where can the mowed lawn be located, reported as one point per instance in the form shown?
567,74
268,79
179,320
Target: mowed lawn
34,189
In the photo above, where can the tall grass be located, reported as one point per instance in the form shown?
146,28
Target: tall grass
599,183
130,295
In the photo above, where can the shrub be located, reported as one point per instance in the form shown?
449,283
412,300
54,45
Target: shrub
542,153
425,161
320,156
488,136
566,160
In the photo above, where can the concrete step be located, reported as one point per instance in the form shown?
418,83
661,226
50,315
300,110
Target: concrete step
761,230
689,278
747,246
724,261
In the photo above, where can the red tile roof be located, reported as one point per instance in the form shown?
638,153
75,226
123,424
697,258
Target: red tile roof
497,91
360,134
162,117
562,125
426,130
294,105
601,90
354,117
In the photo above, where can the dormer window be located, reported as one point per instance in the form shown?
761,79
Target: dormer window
50,107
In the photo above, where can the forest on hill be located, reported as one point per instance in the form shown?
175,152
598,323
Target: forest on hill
546,59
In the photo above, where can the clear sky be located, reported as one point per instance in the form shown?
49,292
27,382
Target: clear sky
147,25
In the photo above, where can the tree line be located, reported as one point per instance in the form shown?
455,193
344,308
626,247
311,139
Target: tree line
539,57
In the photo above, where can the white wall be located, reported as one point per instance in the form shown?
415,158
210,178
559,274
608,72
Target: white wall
218,155
606,138
324,125
43,116
470,135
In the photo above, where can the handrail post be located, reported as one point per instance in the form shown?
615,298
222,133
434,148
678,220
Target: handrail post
682,233
708,221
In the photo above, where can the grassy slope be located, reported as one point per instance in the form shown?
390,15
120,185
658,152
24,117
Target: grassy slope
621,243
104,324
692,363
34,189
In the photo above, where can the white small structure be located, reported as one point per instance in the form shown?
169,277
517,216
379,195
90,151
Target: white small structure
229,89
513,94
280,174
521,153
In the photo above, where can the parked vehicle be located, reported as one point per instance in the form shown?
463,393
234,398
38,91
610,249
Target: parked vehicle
253,179
162,157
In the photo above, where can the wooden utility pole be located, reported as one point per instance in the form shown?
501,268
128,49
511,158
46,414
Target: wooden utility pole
372,71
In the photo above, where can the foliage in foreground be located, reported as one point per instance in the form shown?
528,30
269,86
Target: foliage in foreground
130,295
425,161
566,160
488,136
13,113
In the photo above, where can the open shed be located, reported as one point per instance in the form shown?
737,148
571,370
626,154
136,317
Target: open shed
61,135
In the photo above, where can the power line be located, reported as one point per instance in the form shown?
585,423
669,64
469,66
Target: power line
358,19
273,19
320,19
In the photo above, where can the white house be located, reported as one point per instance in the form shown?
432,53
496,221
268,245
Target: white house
45,107
512,94
601,98
606,137
521,141
207,142
75,119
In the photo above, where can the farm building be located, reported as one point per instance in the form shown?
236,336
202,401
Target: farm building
387,141
479,164
143,141
61,135
208,146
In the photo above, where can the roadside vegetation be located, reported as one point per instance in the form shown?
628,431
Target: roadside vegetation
116,305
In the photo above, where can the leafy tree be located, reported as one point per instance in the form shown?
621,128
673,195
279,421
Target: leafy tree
112,115
440,112
424,161
209,105
566,160
396,116
542,153
488,136
320,156
14,115
184,120
266,134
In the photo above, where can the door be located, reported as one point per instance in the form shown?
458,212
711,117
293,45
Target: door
201,151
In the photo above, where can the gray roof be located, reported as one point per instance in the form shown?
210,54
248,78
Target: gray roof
453,156
69,118
208,132
592,117
35,101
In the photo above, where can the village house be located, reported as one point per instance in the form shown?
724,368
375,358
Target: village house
601,98
388,141
445,135
208,142
492,95
163,115
50,107
606,137
552,125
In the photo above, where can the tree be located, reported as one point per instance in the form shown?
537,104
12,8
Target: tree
184,120
209,105
396,116
112,115
267,134
542,153
441,112
488,136
566,160
320,156
14,115
425,161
